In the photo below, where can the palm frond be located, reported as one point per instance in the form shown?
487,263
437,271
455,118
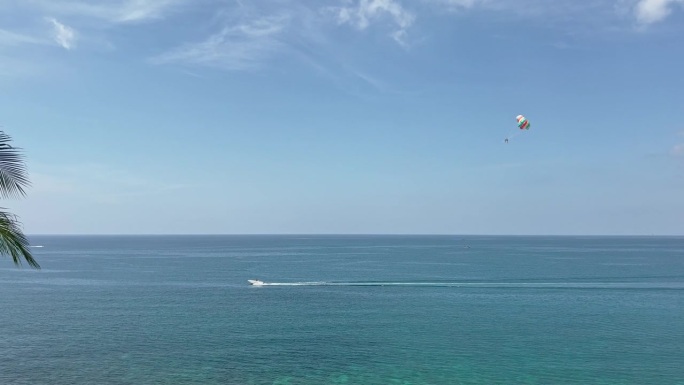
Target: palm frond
13,174
13,242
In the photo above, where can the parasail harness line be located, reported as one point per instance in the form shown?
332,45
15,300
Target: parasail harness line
523,124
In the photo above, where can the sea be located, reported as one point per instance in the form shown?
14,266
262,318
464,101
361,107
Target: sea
344,309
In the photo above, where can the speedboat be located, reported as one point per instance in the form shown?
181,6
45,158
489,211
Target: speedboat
255,282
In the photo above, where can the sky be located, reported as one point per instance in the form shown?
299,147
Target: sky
346,116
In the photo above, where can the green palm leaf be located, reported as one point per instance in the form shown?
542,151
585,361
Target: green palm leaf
13,242
13,179
13,174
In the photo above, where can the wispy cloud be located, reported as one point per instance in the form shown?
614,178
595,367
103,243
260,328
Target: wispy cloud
537,8
457,4
15,61
120,11
362,14
9,38
644,11
652,11
64,35
246,35
136,10
254,33
242,46
252,36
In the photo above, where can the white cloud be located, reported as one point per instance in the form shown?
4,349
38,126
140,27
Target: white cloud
15,60
135,10
366,11
120,11
9,38
254,35
652,11
532,8
64,35
251,32
237,47
603,11
457,3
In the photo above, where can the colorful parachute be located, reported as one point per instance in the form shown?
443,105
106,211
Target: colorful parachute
523,123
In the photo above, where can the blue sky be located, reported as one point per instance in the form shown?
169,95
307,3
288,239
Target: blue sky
346,116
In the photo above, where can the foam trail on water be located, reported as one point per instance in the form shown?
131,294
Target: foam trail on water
540,285
295,284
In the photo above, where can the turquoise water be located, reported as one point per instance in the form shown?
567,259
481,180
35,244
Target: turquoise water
345,310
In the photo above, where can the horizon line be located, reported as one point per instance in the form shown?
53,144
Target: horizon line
357,234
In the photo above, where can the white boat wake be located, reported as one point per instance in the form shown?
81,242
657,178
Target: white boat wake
256,282
540,285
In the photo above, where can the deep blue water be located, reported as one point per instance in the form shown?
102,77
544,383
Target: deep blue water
348,310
